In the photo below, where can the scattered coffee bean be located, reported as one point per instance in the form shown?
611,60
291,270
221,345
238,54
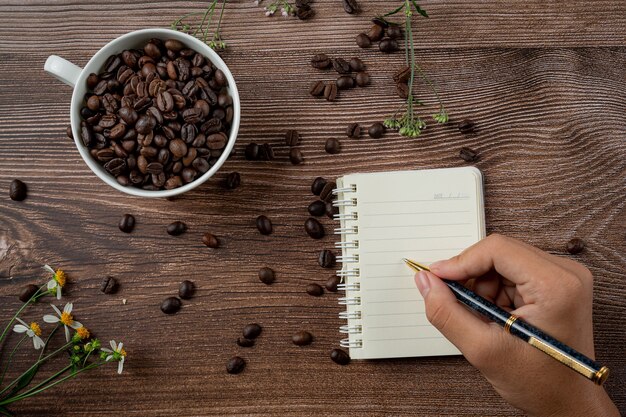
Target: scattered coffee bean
326,259
314,228
302,338
186,289
68,132
176,229
171,305
353,131
27,292
376,131
235,365
376,33
210,240
467,126
362,79
266,152
264,225
108,285
340,357
243,342
330,91
320,61
576,245
252,331
317,208
363,41
402,75
341,66
315,290
232,181
357,65
327,192
468,154
305,12
333,146
127,223
380,22
295,156
252,152
403,90
318,185
292,137
17,190
388,46
317,88
344,82
331,210
394,32
266,275
350,6
332,282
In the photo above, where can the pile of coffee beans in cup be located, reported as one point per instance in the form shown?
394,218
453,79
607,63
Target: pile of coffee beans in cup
383,32
351,73
157,118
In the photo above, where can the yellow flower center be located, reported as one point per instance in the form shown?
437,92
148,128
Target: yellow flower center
35,328
122,352
60,278
67,319
82,332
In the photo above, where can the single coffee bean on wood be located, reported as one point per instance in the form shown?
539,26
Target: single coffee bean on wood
363,41
468,154
320,61
305,12
171,305
340,357
353,131
243,342
127,223
176,228
341,66
576,245
403,90
108,285
357,65
235,365
376,33
314,228
252,331
327,192
318,185
333,146
332,282
331,210
330,91
317,208
317,88
232,181
344,82
68,132
252,152
211,240
264,224
376,130
388,46
302,338
17,190
380,22
394,32
466,126
295,156
350,6
266,152
292,137
27,292
186,289
315,290
402,75
266,275
362,79
326,259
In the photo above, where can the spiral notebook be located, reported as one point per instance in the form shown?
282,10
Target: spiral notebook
421,215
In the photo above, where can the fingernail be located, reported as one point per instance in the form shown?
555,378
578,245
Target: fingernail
422,282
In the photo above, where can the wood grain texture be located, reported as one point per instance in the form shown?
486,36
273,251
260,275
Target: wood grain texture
545,82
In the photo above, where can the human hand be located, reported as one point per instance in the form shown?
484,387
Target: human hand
549,292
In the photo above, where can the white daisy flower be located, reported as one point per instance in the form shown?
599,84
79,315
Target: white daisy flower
64,318
57,282
117,353
33,331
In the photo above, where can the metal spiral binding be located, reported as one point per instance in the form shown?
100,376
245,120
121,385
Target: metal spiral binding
349,272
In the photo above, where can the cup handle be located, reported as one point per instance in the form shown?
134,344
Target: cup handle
62,69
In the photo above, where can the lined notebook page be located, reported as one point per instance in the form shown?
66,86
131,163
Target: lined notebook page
421,215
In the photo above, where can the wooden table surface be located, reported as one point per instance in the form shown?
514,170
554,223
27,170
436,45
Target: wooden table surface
545,83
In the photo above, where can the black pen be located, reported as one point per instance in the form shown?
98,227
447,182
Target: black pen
530,334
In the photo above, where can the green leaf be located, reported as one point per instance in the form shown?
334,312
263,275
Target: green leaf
394,11
5,412
23,381
419,9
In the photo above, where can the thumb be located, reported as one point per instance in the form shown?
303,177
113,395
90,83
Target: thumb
453,320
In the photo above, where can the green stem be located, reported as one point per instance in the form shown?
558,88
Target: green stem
202,23
43,349
219,22
6,368
205,32
44,382
423,75
32,299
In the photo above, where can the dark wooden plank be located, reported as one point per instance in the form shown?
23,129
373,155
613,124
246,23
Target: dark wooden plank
551,137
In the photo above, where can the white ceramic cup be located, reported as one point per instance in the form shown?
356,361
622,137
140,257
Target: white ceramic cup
76,77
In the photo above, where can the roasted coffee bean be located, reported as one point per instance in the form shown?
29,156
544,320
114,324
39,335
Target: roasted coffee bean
317,208
112,63
93,103
576,245
363,41
402,75
232,181
192,115
173,182
117,131
186,289
388,46
333,146
357,65
264,225
318,185
108,285
210,240
116,166
315,290
17,190
178,148
468,154
305,12
127,223
92,81
320,61
266,152
339,356
326,259
295,156
235,365
327,192
317,88
331,210
107,121
188,175
302,338
314,228
68,132
403,90
292,137
216,141
353,131
128,115
243,342
394,32
266,275
27,292
252,331
376,33
252,152
350,6
341,66
174,45
330,91
380,22
145,124
171,305
467,126
105,155
362,79
332,282
154,168
86,134
376,130
176,228
344,82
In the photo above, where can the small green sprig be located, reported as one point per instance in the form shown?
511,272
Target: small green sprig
409,123
286,8
202,30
